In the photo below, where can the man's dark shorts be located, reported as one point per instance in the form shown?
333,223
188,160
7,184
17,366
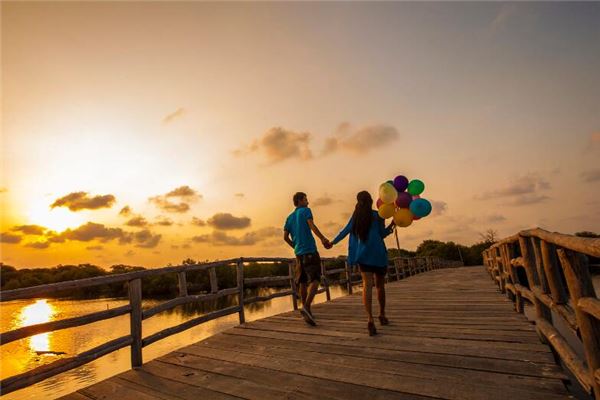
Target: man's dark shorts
308,268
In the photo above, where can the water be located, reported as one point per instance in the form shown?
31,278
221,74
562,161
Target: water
26,354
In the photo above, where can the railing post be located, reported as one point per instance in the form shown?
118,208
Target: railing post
135,321
397,269
325,281
532,278
240,286
538,264
557,289
182,284
580,285
292,274
212,274
348,277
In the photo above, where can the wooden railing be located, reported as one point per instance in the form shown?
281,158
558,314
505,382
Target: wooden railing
400,269
551,272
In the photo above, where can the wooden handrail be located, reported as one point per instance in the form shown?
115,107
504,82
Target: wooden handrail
399,269
556,278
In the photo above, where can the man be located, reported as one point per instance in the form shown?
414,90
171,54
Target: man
299,225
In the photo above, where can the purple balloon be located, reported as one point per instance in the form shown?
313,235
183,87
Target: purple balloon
403,200
400,183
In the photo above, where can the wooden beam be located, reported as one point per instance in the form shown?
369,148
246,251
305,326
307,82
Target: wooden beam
135,322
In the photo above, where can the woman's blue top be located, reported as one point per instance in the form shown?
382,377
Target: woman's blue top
372,251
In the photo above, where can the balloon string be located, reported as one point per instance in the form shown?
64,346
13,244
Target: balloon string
397,241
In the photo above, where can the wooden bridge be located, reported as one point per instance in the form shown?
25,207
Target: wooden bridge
452,335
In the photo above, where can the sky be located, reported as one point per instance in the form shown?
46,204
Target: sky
145,133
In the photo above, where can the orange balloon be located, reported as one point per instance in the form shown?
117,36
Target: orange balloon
403,217
386,211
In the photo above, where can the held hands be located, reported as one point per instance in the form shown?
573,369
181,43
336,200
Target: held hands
326,243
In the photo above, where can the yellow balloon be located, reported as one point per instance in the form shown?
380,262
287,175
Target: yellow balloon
403,217
387,193
386,211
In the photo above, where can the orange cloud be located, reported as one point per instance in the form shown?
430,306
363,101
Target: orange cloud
77,201
226,221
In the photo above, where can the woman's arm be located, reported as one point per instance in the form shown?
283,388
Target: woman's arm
343,233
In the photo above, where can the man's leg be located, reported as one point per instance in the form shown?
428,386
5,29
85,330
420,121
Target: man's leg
303,293
380,284
367,278
312,291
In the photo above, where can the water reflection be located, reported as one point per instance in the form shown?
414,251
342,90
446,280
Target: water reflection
39,312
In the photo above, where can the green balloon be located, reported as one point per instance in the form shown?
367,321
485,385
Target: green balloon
415,187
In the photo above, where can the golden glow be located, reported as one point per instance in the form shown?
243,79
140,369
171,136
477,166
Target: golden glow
57,219
37,313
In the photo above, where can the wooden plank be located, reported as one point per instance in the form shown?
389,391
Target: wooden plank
284,380
519,367
115,389
407,370
171,387
220,383
135,321
379,380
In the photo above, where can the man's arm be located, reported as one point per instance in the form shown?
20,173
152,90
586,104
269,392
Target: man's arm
317,232
288,240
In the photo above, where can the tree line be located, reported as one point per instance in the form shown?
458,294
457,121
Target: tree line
199,281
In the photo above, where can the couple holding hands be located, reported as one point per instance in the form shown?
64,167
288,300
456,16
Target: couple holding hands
366,249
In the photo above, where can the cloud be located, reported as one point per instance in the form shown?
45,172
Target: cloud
92,231
38,245
527,187
125,211
7,237
527,199
592,175
129,253
168,206
360,141
279,144
180,112
80,201
494,218
95,248
146,239
164,221
240,195
505,12
438,207
35,230
198,222
322,201
182,193
226,221
138,221
220,238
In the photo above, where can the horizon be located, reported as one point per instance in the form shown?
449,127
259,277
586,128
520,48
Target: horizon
184,129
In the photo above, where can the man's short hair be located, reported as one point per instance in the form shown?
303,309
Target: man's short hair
298,197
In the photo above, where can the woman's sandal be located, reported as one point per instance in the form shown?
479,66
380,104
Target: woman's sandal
371,328
383,320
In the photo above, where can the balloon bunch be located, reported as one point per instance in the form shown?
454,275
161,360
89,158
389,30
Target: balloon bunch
401,200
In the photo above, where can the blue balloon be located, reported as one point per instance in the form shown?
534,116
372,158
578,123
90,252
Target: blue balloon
420,208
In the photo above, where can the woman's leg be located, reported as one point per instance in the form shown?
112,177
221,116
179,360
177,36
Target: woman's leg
380,284
367,278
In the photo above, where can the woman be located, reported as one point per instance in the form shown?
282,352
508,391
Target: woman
367,249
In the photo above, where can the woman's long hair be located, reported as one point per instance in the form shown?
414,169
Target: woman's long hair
363,216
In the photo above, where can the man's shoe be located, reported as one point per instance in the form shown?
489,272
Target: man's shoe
308,318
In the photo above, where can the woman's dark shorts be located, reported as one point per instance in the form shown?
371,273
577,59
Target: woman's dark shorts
371,268
308,268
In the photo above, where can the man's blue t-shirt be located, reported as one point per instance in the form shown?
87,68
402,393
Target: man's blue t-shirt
297,225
